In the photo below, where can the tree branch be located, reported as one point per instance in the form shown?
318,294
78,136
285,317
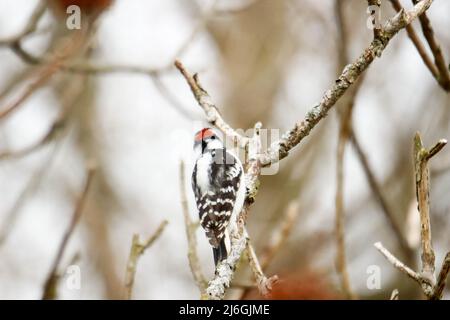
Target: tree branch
51,282
442,279
417,43
85,67
345,113
263,283
376,189
439,60
398,264
421,157
394,294
137,249
70,97
29,28
280,234
349,75
55,129
212,112
191,227
278,238
44,74
426,278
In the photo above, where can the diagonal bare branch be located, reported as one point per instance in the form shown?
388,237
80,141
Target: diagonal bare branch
442,279
212,112
398,264
417,43
439,60
263,283
52,278
137,250
348,77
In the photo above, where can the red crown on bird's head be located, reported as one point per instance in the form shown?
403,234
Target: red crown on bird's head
203,134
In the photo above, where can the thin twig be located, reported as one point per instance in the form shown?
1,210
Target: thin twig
417,43
55,134
40,80
439,60
89,68
55,129
280,234
191,227
212,112
32,184
394,294
46,72
29,28
442,279
345,112
85,67
263,283
15,81
341,261
278,238
51,282
137,250
398,264
70,98
341,257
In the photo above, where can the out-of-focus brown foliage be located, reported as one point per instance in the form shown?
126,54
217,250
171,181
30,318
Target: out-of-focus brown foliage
302,285
88,7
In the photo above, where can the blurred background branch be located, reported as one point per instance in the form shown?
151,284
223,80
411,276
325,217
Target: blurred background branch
137,250
51,282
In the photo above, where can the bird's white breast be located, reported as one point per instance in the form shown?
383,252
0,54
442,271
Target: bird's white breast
203,171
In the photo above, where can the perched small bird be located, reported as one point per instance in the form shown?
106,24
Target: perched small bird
219,189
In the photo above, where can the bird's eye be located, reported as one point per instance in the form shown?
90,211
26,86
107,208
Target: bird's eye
213,137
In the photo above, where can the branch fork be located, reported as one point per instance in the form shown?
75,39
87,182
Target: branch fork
426,278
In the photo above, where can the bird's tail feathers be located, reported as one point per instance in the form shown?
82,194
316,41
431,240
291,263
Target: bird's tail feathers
221,252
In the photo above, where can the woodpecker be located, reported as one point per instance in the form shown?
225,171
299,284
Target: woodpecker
219,189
